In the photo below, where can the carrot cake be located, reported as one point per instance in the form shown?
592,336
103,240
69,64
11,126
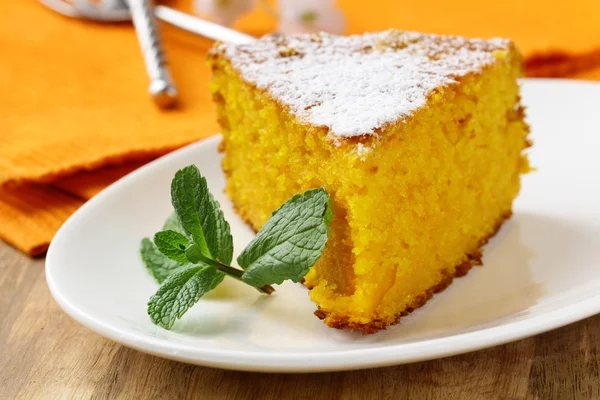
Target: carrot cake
418,138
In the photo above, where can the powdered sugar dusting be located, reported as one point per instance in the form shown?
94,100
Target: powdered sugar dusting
354,85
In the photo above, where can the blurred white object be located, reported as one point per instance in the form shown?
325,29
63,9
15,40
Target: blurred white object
309,16
224,12
295,16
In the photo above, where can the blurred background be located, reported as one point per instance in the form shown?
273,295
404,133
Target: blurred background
76,113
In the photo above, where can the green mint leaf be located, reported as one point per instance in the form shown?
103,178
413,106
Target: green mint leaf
290,242
172,245
186,197
159,265
217,279
180,291
216,230
172,224
200,215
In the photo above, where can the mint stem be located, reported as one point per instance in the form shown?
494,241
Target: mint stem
232,272
237,274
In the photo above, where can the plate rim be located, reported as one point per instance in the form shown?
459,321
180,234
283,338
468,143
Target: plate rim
311,361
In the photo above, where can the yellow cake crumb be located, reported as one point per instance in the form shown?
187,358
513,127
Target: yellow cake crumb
413,201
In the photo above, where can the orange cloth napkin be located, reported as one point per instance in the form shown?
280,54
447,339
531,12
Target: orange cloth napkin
75,95
555,36
75,99
76,115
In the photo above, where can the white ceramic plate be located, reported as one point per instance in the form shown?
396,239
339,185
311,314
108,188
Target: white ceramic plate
540,272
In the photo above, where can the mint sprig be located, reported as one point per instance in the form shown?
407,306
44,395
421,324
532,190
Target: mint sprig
193,253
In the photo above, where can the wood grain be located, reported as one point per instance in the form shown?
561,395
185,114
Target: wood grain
46,355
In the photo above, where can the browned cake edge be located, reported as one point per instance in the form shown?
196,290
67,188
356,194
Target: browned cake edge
473,259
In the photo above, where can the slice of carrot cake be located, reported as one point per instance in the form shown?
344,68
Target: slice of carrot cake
418,138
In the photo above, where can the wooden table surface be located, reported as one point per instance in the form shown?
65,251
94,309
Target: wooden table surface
44,354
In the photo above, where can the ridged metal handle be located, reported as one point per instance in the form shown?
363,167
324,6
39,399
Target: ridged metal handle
161,89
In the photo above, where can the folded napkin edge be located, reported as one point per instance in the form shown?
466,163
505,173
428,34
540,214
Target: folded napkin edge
12,180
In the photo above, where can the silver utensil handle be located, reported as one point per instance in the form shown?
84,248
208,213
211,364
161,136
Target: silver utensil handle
201,27
161,88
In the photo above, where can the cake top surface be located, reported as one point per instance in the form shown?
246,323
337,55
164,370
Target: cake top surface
354,85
